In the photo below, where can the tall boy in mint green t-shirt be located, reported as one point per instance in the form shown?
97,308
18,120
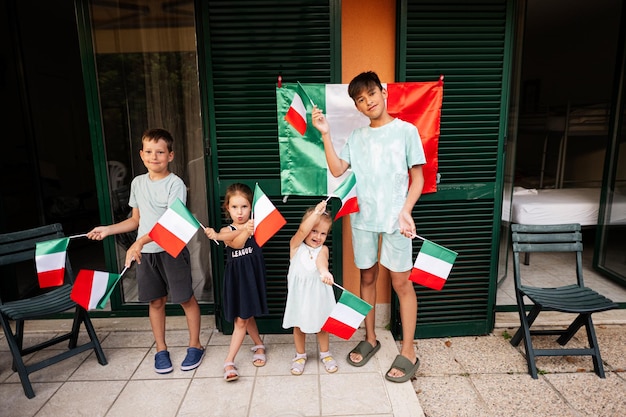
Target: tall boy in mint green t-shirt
382,156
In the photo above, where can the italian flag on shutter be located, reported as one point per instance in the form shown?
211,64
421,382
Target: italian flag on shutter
50,261
303,169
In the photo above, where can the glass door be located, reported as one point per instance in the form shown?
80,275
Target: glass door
610,257
147,77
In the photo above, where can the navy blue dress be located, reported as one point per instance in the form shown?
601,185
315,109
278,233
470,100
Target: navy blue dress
245,282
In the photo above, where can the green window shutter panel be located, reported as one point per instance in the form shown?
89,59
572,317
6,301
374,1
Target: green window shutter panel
466,42
251,43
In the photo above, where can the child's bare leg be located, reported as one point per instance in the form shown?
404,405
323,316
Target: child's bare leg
368,294
408,315
324,340
299,339
330,364
236,340
192,314
253,331
298,362
156,312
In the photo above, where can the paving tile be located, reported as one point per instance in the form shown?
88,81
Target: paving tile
16,404
122,364
453,395
612,343
134,339
520,396
437,358
150,398
362,394
80,399
216,397
487,354
276,394
590,395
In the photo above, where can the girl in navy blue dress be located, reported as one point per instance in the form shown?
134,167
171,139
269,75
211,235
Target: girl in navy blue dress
244,276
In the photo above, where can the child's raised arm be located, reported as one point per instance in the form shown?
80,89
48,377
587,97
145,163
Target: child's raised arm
336,165
305,227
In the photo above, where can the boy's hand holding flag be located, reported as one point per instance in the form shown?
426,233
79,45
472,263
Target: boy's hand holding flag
50,261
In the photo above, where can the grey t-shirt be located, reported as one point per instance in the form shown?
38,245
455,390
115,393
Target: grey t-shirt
152,198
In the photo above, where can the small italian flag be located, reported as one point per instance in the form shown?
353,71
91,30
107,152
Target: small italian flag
347,315
433,265
175,228
267,218
346,191
50,261
92,289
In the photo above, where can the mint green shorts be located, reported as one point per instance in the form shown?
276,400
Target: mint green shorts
396,251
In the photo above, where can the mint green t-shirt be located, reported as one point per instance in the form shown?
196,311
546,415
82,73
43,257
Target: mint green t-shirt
380,158
152,198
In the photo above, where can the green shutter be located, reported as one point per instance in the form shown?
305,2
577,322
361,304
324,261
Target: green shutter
467,43
250,44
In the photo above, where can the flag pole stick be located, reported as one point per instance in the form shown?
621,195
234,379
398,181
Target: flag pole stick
417,236
123,270
306,94
75,236
329,197
339,286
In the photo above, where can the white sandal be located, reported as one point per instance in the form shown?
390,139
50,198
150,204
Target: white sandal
330,364
297,364
258,356
230,374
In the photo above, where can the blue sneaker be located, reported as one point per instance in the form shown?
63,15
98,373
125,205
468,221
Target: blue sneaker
162,362
193,359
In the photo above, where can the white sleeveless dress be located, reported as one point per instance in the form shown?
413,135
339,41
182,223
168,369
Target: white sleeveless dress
309,300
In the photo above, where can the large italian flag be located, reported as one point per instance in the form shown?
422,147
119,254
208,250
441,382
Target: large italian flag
92,289
175,228
303,169
50,261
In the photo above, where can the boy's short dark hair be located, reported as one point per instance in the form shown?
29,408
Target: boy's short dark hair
363,81
156,134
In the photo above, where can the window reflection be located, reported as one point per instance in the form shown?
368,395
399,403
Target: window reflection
148,77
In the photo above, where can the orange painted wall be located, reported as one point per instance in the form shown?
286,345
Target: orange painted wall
368,42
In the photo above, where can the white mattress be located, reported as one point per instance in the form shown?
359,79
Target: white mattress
559,206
